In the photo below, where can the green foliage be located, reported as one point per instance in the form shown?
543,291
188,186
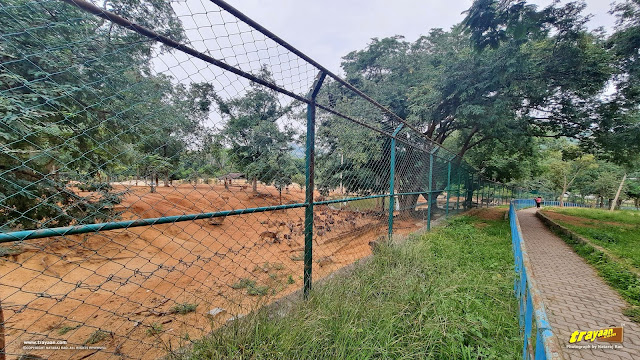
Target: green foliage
184,308
154,329
244,283
64,121
253,289
601,181
257,290
260,145
628,217
633,190
97,336
65,329
390,308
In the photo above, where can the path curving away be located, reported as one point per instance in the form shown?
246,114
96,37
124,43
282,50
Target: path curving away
575,297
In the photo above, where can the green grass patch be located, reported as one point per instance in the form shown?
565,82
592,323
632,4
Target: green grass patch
154,329
616,231
66,328
184,308
253,289
447,294
633,313
97,336
362,205
6,251
258,290
297,257
630,217
243,283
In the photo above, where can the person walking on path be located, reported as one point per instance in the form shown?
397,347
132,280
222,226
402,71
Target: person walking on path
538,202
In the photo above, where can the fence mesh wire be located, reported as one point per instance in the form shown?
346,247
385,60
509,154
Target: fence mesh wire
153,176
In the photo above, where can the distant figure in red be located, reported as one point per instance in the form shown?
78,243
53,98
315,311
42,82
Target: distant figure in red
538,201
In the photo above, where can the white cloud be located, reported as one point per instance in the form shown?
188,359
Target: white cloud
329,29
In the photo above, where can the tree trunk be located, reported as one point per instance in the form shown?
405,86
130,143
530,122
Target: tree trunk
408,204
564,191
280,190
615,200
468,201
434,201
166,179
153,187
255,185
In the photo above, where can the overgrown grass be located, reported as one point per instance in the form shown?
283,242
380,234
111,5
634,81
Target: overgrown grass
616,231
445,295
184,308
621,216
97,336
154,329
66,328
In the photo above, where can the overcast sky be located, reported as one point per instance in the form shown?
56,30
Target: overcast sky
326,30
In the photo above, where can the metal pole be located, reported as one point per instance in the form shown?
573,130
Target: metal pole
3,349
492,193
392,175
448,186
310,173
430,187
459,188
477,191
488,194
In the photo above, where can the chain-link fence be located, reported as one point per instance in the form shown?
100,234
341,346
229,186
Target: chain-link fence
169,167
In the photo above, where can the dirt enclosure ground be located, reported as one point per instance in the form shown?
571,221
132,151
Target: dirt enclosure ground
139,292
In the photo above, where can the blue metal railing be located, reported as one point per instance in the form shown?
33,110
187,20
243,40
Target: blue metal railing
565,204
530,300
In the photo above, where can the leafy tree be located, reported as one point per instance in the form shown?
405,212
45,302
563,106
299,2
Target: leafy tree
625,43
299,179
542,83
633,190
565,165
255,136
75,93
277,168
600,181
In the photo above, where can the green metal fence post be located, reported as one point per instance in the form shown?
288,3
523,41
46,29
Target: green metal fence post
487,193
480,191
310,187
459,188
448,186
392,174
430,188
476,189
492,193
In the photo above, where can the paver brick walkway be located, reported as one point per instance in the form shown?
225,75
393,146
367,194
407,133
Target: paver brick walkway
575,297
